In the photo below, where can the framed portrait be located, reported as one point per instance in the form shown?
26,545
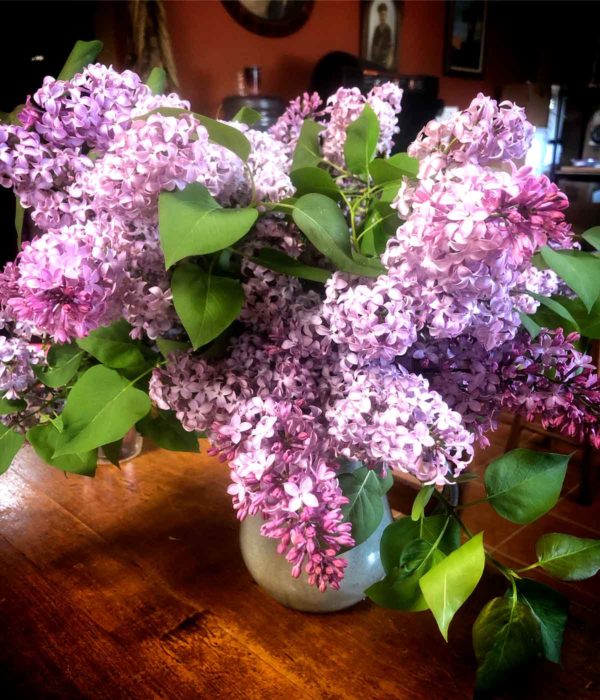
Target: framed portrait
270,17
381,21
465,38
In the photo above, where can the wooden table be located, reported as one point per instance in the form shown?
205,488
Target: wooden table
131,585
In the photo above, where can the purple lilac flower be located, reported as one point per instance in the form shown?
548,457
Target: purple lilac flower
67,286
548,378
390,416
483,133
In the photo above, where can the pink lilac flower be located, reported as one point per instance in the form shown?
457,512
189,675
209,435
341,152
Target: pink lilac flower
67,286
390,416
17,359
547,378
287,128
483,133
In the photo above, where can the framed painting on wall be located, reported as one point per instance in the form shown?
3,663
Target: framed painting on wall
274,18
380,26
465,38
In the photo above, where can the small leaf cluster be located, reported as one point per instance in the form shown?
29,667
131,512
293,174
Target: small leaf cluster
427,567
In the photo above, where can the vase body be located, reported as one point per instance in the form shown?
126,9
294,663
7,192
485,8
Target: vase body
272,571
130,448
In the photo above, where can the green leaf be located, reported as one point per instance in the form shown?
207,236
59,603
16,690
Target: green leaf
280,262
10,443
63,363
157,80
580,270
191,222
82,54
545,318
362,136
386,482
530,325
592,236
506,635
167,346
44,439
205,303
227,136
365,507
567,557
400,590
112,452
392,169
8,406
114,347
447,585
550,609
308,151
379,226
322,222
247,115
167,432
19,220
421,500
401,532
522,485
101,407
555,306
588,323
312,179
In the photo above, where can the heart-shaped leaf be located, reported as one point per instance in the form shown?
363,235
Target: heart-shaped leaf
44,439
448,584
312,179
247,115
308,150
322,222
101,407
550,609
524,484
191,222
362,136
157,80
365,507
63,363
506,635
10,443
82,54
592,236
421,500
280,262
205,303
114,347
567,557
580,270
167,432
227,136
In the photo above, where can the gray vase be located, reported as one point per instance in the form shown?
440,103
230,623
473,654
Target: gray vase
273,573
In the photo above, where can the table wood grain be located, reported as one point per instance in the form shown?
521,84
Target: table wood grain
131,585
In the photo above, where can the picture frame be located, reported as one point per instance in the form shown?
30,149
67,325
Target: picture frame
272,18
465,38
381,22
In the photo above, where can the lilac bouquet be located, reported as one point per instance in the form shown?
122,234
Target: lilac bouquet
305,300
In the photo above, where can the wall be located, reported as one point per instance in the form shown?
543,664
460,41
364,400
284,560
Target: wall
210,47
521,44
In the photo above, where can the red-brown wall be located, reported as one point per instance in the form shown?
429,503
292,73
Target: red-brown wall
210,47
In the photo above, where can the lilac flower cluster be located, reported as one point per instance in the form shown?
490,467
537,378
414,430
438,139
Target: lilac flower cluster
483,133
404,371
550,379
390,416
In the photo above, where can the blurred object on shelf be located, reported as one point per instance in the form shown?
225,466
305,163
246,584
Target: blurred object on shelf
252,80
269,107
420,102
